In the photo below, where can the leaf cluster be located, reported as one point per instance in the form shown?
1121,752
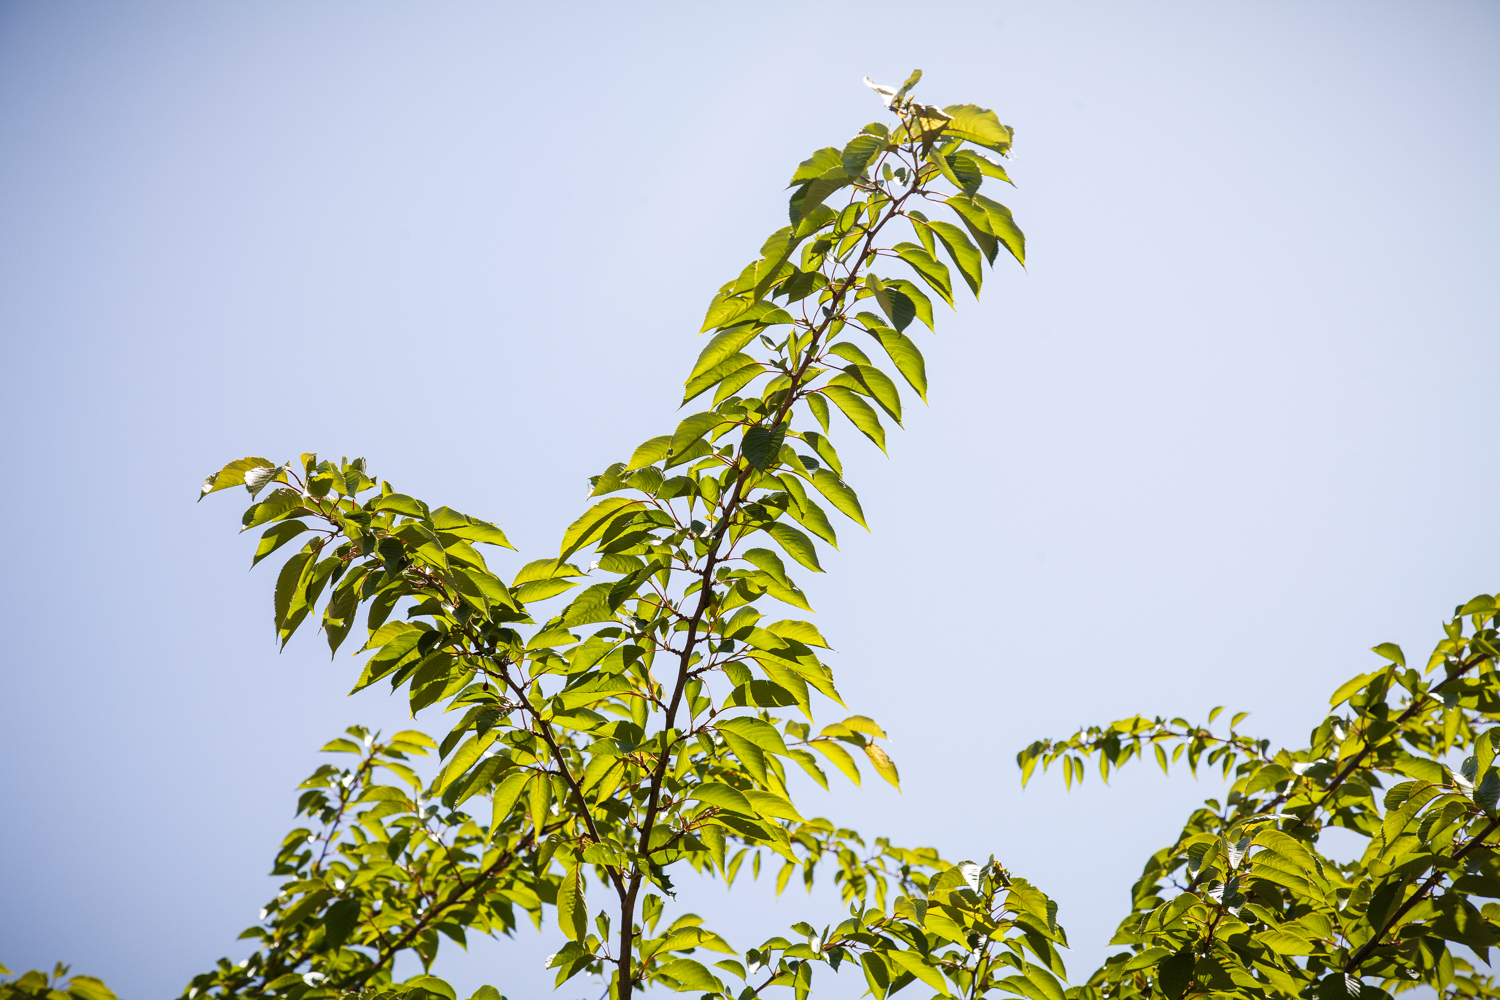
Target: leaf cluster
1244,903
649,720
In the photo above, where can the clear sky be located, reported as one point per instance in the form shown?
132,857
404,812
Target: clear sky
1231,429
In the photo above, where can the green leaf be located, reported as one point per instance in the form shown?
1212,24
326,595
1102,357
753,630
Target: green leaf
233,474
539,790
480,531
917,966
1174,975
695,427
275,537
819,407
433,985
860,414
731,374
1044,981
339,922
757,731
921,304
911,81
572,907
506,794
884,766
541,590
803,632
400,503
771,806
817,165
903,351
873,382
963,252
858,153
919,226
823,447
650,452
462,760
1478,885
721,347
928,268
1003,225
979,126
897,306
1391,652
1348,688
593,522
1145,960
768,561
1284,942
690,975
840,495
716,793
806,512
286,584
1482,604
838,756
725,309
796,544
761,445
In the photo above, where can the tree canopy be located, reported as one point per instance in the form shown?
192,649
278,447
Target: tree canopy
627,708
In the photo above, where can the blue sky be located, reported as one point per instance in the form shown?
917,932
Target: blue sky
1229,430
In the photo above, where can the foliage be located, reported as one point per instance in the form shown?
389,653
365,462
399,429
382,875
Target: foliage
389,870
649,720
58,986
1259,910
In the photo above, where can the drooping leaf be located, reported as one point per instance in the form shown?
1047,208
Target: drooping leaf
860,413
796,544
928,268
840,495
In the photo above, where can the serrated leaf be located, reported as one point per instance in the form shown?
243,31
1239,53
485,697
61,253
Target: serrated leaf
761,445
872,382
928,268
725,309
921,304
1004,227
721,347
965,254
884,766
977,125
275,537
593,522
803,632
716,793
232,474
858,153
432,984
1348,688
572,907
838,756
840,495
796,544
691,975
757,731
860,414
918,966
693,428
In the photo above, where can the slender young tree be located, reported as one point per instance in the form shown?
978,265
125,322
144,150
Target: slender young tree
646,722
